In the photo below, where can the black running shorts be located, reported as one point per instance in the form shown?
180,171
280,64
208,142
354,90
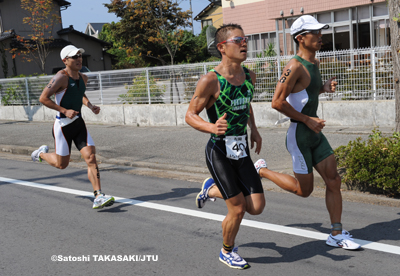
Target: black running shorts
64,135
232,177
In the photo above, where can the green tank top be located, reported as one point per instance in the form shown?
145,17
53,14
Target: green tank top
71,97
235,102
306,101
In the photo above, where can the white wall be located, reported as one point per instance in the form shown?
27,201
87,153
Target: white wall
340,113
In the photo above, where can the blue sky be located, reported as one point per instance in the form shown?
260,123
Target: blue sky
93,11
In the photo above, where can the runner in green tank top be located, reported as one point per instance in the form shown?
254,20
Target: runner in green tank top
296,96
68,88
225,93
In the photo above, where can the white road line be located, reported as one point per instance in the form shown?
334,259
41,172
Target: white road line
250,223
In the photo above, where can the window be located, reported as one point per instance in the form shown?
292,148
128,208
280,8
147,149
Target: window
341,15
361,35
324,17
342,35
382,32
380,9
327,40
361,13
207,22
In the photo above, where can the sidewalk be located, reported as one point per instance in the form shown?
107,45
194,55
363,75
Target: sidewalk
170,152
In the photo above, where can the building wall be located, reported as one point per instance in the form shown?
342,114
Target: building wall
258,16
251,15
12,18
216,16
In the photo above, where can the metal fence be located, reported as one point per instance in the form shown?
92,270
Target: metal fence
362,74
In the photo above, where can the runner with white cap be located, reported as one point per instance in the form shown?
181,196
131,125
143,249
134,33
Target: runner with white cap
68,87
296,96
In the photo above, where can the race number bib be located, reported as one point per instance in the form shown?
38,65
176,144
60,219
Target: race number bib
235,147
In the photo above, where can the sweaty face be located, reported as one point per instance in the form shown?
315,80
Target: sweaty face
232,49
312,41
74,64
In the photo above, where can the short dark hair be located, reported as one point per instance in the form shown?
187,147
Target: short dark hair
295,35
222,33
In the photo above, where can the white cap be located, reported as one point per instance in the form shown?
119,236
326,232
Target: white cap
70,51
306,22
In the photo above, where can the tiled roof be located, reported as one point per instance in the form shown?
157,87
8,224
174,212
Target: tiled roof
6,35
71,29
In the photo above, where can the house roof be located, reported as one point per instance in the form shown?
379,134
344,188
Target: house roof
207,9
5,35
97,26
63,3
55,43
71,29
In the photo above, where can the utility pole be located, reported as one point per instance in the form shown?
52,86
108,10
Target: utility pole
191,15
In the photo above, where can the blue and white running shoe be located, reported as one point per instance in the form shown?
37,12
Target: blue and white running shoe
203,196
233,259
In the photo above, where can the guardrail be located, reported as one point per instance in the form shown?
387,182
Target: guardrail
362,74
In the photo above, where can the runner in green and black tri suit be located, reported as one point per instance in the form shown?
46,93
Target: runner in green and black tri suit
231,167
225,92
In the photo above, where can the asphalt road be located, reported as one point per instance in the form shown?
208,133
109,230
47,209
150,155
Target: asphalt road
156,218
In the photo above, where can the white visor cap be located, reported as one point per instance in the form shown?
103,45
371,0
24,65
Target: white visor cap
70,51
305,23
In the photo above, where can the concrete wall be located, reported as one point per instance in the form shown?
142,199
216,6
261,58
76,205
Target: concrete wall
341,113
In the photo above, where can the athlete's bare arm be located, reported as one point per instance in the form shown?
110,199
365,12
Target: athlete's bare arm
57,84
207,91
254,134
294,79
95,109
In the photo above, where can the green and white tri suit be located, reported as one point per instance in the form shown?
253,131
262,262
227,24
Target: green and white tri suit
306,147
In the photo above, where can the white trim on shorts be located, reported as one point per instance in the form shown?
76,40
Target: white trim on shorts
298,161
61,143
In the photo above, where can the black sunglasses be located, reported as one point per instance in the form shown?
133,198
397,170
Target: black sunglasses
76,56
315,32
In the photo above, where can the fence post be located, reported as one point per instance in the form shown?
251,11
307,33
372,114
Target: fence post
279,67
373,72
148,84
27,98
27,92
205,69
101,89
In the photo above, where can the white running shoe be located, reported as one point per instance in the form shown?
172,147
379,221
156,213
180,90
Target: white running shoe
233,260
260,164
103,201
36,154
343,240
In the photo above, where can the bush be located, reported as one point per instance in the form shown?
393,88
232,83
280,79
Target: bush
137,92
372,165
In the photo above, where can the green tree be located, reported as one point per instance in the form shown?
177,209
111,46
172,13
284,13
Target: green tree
125,57
41,20
154,28
195,49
